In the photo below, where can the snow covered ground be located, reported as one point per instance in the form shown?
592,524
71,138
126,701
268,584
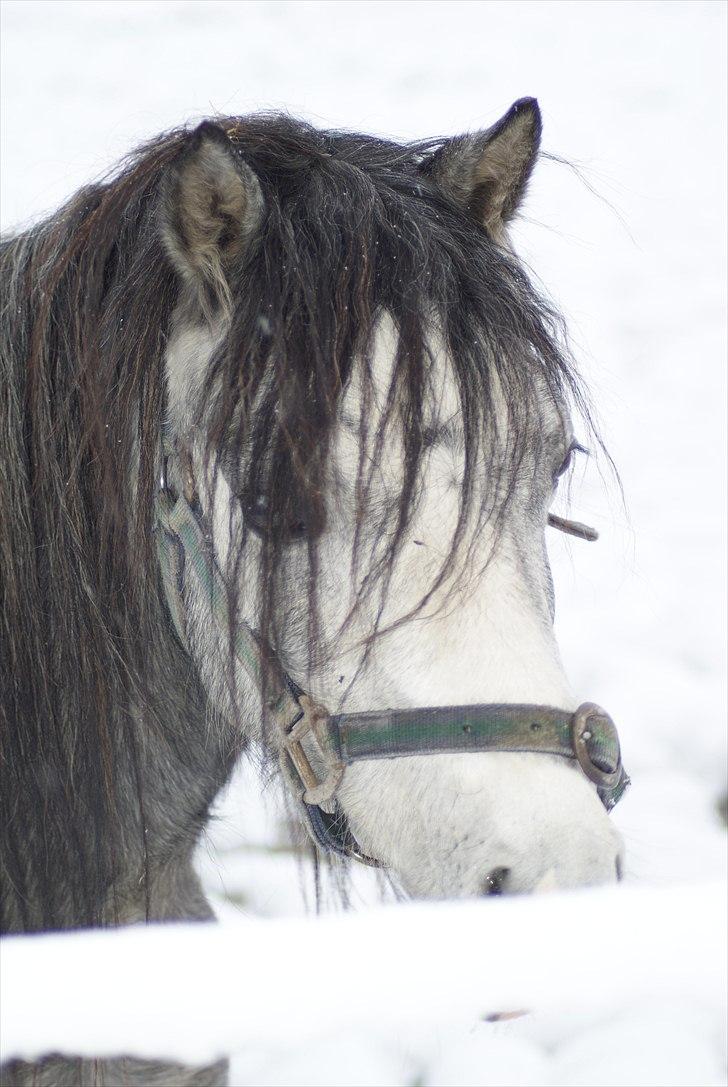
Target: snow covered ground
635,94
412,990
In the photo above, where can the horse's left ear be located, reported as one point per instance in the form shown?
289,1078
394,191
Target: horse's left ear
486,173
211,205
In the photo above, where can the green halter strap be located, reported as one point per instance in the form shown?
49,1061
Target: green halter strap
185,555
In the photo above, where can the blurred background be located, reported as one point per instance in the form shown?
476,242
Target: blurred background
629,241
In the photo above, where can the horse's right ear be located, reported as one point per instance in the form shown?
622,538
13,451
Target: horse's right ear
211,205
486,173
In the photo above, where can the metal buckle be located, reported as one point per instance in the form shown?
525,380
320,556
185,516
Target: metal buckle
580,736
326,821
312,722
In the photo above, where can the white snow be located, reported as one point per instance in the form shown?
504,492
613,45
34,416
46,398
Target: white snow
624,985
415,980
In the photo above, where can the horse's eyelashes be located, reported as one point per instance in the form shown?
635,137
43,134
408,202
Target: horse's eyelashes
566,463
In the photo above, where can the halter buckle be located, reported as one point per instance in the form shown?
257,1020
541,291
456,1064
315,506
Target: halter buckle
313,722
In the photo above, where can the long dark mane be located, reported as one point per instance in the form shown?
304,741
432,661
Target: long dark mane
102,722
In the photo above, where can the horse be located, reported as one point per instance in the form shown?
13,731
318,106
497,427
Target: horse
283,417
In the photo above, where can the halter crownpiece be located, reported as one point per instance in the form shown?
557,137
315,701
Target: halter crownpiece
305,729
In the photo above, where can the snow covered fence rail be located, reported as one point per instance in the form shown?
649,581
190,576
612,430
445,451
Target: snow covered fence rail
196,992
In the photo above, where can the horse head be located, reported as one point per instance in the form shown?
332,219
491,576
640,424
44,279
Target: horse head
368,410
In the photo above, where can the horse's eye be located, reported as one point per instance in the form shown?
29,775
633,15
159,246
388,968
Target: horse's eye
255,513
575,447
292,527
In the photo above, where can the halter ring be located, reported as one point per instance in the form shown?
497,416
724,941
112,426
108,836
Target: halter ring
580,736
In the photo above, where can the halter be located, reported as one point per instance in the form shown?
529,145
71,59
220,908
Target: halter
587,736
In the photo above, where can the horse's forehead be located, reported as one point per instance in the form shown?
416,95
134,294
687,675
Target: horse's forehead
442,397
192,344
377,374
189,350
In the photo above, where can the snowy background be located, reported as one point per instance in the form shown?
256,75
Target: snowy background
635,95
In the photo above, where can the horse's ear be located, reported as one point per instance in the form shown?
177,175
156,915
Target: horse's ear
211,206
486,173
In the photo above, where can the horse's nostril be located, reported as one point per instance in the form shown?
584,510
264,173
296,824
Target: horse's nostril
619,867
495,882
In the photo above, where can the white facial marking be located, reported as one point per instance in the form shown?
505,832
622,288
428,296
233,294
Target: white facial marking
441,823
189,351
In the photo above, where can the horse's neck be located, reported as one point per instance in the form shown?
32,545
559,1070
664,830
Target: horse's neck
127,854
184,756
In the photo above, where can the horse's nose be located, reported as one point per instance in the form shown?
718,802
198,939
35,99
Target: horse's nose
496,882
504,880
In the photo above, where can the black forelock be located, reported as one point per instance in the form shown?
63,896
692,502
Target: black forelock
354,227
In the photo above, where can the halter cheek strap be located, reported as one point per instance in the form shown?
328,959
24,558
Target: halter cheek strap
587,737
186,556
